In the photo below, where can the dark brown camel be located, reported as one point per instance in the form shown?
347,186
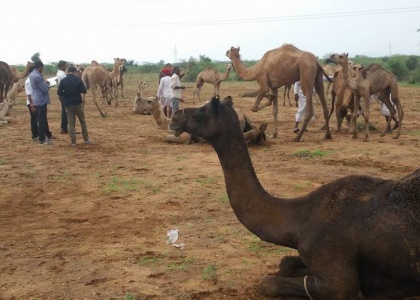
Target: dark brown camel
358,236
6,78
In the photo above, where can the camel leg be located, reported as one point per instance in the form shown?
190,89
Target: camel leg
320,92
260,94
288,96
275,111
366,116
354,115
396,99
292,266
216,89
96,103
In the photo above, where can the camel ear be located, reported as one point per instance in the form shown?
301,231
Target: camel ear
346,54
239,49
228,100
263,126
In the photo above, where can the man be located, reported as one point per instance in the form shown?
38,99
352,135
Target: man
176,90
61,73
301,101
164,92
69,91
41,99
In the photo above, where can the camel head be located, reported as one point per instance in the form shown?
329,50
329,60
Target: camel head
142,104
142,85
228,66
202,121
233,52
339,59
359,70
257,136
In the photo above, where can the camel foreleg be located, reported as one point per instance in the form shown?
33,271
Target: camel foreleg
366,116
260,94
275,111
96,103
308,116
354,115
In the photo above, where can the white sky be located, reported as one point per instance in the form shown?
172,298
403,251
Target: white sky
80,31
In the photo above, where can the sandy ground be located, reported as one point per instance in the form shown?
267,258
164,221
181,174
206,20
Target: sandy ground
91,222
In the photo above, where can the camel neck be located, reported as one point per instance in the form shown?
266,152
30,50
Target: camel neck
160,118
274,220
243,72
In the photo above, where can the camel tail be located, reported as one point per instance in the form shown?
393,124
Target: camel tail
323,72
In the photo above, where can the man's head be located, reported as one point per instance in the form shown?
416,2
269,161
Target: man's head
176,70
39,65
62,64
72,70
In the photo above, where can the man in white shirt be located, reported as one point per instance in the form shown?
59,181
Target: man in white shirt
164,92
301,100
176,90
61,73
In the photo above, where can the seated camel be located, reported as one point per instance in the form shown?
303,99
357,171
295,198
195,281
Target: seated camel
357,237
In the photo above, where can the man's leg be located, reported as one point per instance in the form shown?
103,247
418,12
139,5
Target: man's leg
71,117
42,121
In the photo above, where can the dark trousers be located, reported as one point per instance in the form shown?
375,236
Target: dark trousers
64,122
43,130
34,123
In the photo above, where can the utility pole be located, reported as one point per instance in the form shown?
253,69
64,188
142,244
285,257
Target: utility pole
175,55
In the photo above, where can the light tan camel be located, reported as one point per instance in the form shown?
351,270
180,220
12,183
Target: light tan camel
20,75
356,237
7,105
6,78
120,80
138,108
212,76
368,81
283,66
330,71
97,75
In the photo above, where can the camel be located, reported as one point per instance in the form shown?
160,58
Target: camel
283,66
7,105
119,82
330,71
357,237
371,80
20,75
6,78
138,109
286,92
96,74
252,134
213,76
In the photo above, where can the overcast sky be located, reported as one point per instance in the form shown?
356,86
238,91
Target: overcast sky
80,31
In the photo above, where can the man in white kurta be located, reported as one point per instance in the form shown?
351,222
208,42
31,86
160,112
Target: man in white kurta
176,90
301,111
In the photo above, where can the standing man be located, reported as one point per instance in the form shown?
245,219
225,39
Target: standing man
61,73
41,99
69,91
176,91
164,92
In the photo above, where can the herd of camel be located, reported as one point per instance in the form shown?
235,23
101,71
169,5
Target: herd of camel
357,237
350,83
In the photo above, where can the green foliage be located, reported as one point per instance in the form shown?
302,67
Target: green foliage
209,273
411,63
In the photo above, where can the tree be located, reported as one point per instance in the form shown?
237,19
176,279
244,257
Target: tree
411,63
35,57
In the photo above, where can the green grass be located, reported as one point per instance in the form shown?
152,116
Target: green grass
148,260
180,265
120,185
3,162
223,199
305,154
129,296
209,272
302,185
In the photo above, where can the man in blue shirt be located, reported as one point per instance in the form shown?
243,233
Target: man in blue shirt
41,99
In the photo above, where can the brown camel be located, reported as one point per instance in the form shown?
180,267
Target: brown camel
286,92
138,108
6,78
212,76
357,236
283,66
97,75
368,81
20,75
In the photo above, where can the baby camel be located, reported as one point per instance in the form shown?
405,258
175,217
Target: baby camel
357,236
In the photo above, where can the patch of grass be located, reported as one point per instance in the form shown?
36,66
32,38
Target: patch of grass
305,154
205,180
3,162
414,132
129,296
209,272
223,199
180,265
302,185
361,126
119,185
64,176
148,260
